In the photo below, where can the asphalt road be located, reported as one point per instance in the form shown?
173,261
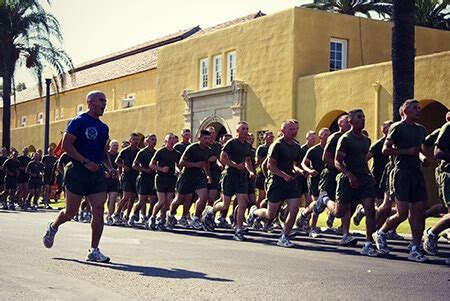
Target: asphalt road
186,264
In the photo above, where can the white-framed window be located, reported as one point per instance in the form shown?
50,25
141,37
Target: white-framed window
56,114
203,73
231,67
40,118
23,121
217,69
79,109
338,54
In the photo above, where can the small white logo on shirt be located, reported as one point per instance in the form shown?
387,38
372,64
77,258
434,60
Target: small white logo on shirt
91,133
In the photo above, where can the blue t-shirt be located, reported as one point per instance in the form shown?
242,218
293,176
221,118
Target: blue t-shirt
91,134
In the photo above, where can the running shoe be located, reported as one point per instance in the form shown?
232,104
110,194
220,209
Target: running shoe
314,232
348,240
184,222
109,221
88,217
161,226
133,219
95,255
381,243
392,234
239,235
49,236
416,255
257,225
369,250
117,220
358,216
283,241
11,206
251,216
330,220
430,243
171,222
196,223
223,223
152,225
5,206
302,222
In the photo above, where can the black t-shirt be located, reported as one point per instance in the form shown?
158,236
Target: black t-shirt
314,155
113,158
164,157
430,140
331,147
12,166
379,160
23,162
2,172
49,162
181,146
194,153
355,149
237,152
127,155
443,142
35,169
285,154
404,136
216,148
144,157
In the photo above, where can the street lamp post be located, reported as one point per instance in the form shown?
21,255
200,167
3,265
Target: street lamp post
48,80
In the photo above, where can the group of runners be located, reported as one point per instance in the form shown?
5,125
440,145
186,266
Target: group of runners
263,186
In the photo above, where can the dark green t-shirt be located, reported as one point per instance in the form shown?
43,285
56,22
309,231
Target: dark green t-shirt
379,160
443,142
216,148
195,153
237,152
35,169
404,136
127,155
430,140
285,154
12,166
331,147
143,157
181,147
314,155
49,162
355,149
164,157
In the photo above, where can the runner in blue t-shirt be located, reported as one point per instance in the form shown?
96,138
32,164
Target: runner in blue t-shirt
85,141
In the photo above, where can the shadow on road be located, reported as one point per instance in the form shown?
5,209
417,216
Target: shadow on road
149,271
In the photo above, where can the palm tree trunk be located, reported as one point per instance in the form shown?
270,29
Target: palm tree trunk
6,131
403,53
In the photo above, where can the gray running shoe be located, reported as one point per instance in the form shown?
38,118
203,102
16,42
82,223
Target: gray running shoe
348,240
184,222
88,217
358,216
392,234
152,225
381,243
171,222
283,241
416,255
223,223
161,226
314,232
49,236
430,243
12,206
133,219
196,223
369,250
5,206
302,223
95,255
330,220
117,220
239,235
251,216
109,221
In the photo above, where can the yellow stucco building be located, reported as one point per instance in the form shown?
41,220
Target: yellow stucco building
258,68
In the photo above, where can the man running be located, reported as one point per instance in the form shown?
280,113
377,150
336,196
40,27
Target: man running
261,154
313,164
112,182
215,167
181,147
236,157
284,157
3,158
145,181
22,180
194,177
11,168
165,162
85,141
125,163
403,142
35,171
49,162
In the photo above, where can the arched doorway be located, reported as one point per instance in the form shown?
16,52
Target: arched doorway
432,116
219,124
330,121
220,129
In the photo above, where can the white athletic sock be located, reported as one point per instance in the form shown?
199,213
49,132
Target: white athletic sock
431,233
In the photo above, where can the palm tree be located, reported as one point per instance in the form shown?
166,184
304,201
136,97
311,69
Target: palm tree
352,7
27,35
403,52
432,13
